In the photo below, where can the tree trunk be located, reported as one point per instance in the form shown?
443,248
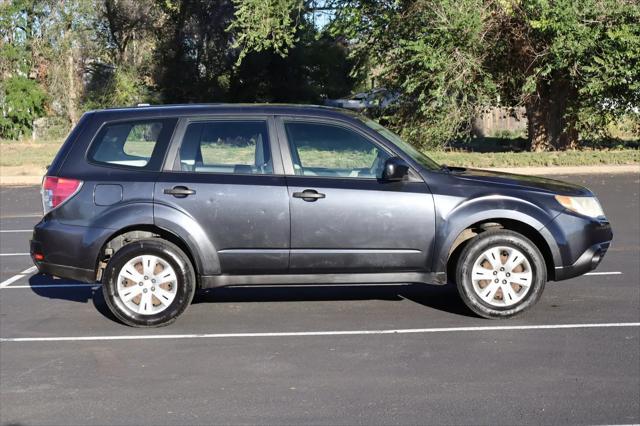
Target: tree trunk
72,95
551,125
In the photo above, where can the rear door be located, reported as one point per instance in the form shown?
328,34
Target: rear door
226,174
344,218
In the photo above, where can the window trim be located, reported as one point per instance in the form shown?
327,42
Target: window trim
285,146
158,155
173,153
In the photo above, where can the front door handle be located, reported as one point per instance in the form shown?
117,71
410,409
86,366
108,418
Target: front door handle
309,195
179,191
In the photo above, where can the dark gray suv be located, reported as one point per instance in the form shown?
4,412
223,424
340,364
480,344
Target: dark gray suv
156,202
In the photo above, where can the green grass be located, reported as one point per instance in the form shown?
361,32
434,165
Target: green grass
344,160
28,155
537,159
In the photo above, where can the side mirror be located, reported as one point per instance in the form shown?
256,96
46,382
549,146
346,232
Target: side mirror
395,169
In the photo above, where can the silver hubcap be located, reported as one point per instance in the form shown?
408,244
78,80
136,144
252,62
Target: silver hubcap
147,285
501,276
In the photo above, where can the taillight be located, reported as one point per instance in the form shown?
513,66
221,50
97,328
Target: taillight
56,191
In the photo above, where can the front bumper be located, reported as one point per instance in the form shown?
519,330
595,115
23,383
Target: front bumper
588,261
582,243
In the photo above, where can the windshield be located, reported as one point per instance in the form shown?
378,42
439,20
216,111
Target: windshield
404,146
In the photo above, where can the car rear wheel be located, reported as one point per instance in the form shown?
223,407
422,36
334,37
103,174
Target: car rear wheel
148,283
500,274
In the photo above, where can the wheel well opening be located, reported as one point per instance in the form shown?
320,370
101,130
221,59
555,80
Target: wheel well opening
512,225
135,233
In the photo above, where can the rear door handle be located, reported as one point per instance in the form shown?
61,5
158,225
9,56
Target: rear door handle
179,191
309,195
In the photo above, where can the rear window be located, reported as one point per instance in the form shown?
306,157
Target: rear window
135,144
233,147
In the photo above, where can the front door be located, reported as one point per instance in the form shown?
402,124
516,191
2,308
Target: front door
226,178
344,218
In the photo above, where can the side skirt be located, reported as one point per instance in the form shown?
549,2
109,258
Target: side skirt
212,281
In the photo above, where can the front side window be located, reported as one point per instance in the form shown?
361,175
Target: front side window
325,150
129,144
418,156
239,147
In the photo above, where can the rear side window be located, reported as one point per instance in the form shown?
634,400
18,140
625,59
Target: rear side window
137,144
236,147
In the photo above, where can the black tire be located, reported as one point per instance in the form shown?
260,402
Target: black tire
474,249
170,253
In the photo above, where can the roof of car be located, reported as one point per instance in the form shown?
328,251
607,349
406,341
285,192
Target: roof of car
222,108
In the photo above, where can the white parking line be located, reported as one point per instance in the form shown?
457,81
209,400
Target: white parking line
6,283
321,333
16,230
604,273
53,285
16,277
13,279
14,254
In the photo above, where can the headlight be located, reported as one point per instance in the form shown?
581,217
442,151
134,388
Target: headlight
587,206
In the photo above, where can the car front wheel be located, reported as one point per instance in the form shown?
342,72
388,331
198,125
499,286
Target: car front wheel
500,274
148,283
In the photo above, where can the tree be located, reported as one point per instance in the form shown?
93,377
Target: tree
123,74
194,57
21,101
316,67
433,52
130,27
21,97
572,63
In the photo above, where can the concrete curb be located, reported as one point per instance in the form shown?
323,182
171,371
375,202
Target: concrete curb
537,171
570,170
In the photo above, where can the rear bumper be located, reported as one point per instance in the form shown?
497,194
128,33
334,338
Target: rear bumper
68,251
83,275
62,271
588,261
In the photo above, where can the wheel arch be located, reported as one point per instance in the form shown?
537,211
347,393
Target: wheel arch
129,234
464,225
522,228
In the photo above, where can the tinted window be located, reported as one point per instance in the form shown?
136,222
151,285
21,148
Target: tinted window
240,147
326,150
130,144
407,148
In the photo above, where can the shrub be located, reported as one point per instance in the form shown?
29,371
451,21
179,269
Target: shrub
21,100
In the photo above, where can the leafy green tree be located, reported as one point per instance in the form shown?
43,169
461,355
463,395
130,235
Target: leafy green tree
194,58
572,63
121,86
315,68
266,25
21,101
433,52
122,75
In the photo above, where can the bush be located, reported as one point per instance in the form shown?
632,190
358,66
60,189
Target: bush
21,100
116,87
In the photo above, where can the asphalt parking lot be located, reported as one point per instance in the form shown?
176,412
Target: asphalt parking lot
324,355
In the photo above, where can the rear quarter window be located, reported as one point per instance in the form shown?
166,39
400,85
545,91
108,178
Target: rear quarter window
137,144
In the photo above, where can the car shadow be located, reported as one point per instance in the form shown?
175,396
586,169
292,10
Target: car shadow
443,298
50,287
